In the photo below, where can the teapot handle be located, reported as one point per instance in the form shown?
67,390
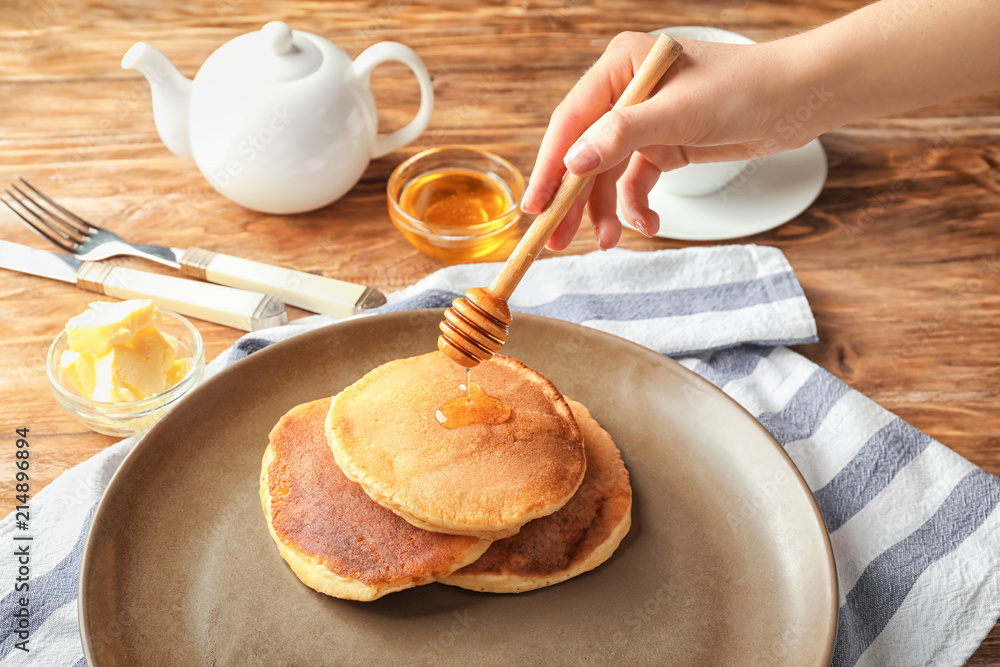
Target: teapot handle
378,54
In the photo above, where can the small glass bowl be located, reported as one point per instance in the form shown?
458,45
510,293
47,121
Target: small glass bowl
492,239
124,419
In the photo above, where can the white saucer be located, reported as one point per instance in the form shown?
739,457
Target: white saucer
770,192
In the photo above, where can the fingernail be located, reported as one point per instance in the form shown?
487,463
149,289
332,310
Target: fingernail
526,203
536,196
597,237
582,157
641,226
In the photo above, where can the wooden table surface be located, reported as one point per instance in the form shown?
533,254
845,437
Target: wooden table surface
898,256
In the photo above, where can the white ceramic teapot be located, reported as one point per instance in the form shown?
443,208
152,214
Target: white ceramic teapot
279,120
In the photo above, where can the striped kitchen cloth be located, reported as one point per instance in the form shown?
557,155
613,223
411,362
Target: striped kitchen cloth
915,527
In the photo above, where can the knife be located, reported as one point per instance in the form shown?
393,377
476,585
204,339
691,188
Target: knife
319,294
228,306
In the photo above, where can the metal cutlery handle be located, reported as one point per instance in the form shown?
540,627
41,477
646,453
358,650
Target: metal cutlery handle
336,298
235,308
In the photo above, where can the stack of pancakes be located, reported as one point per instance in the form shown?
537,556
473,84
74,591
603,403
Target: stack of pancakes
366,493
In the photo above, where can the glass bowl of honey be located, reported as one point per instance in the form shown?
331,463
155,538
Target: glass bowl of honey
457,204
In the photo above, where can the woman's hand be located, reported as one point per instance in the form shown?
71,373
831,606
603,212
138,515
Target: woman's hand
733,102
718,102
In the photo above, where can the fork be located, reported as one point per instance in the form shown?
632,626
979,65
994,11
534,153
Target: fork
75,235
85,240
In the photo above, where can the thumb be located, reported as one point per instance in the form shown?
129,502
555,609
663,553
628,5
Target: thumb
614,136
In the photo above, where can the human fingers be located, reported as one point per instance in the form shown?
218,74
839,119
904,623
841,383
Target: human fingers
648,127
602,206
568,122
752,150
566,230
618,133
668,158
712,99
586,102
633,194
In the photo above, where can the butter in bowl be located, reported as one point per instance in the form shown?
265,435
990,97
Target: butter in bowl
118,367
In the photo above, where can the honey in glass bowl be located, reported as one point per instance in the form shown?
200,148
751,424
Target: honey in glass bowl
457,204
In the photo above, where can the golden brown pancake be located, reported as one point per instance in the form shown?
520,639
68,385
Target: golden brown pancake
335,539
577,538
485,480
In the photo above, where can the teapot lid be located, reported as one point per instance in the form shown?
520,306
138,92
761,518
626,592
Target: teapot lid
287,56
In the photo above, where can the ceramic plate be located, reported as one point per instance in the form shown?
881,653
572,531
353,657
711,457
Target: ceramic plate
727,561
768,193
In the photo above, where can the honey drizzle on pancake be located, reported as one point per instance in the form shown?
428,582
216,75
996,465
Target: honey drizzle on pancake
473,406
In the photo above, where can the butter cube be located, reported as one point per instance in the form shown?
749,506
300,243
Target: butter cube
110,393
135,370
171,341
79,370
107,324
160,347
178,369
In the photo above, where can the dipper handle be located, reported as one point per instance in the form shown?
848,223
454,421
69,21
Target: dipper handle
476,325
663,54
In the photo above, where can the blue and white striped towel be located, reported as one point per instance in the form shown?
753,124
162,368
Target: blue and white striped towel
915,527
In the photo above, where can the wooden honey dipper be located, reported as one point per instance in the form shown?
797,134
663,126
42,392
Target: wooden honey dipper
476,325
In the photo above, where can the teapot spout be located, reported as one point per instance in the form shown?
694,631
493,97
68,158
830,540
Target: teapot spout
171,96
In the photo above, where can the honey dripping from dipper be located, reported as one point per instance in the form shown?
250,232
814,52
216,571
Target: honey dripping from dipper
473,406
